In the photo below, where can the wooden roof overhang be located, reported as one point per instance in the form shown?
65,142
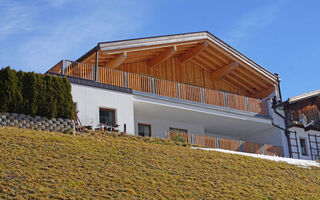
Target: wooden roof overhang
201,48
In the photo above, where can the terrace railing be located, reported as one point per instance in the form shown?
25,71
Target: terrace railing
160,87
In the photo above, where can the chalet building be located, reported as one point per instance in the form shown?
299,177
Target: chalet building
303,123
192,83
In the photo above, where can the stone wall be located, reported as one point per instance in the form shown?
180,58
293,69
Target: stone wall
36,123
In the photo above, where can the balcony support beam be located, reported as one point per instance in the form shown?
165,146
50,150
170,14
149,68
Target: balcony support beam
163,56
220,73
117,61
265,93
193,52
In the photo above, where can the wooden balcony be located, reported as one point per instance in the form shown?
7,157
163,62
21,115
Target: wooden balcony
160,87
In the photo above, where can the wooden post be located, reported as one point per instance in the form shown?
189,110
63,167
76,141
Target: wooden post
247,104
125,82
203,100
96,75
179,90
64,66
152,86
225,99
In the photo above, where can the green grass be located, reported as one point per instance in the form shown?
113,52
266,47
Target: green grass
43,165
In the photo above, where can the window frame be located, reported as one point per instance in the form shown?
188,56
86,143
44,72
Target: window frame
179,129
304,146
110,110
143,124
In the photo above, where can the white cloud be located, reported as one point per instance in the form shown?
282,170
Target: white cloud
253,21
68,37
14,18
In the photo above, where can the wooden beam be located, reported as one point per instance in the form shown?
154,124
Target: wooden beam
216,75
201,64
243,84
117,61
254,77
265,93
212,59
246,64
193,52
163,56
234,84
218,54
248,80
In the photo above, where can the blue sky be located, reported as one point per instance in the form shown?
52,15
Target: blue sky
282,36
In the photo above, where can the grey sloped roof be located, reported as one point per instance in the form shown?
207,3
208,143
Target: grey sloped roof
304,96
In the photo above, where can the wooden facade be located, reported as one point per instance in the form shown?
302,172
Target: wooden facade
310,107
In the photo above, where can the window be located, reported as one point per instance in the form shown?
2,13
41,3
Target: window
144,130
303,146
107,116
177,130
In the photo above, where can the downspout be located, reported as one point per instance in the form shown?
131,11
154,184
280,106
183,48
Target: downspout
275,104
278,86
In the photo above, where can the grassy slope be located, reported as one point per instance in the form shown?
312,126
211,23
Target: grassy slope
42,165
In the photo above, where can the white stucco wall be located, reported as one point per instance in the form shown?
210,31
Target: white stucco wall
90,99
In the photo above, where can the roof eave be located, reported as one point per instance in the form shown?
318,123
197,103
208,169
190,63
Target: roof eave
186,37
304,96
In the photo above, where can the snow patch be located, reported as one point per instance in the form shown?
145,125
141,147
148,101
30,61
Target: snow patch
292,161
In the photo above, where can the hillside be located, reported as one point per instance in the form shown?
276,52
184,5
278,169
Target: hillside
44,165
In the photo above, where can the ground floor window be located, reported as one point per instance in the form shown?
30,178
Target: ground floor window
177,130
144,130
303,146
107,116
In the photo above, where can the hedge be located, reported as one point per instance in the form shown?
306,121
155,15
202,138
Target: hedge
35,94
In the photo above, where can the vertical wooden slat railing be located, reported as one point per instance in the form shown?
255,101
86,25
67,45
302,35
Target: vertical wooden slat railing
272,150
80,70
228,144
257,106
139,82
214,97
111,77
160,87
251,147
165,88
237,102
204,141
190,93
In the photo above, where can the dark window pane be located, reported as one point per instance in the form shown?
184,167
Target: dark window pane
144,130
107,116
303,147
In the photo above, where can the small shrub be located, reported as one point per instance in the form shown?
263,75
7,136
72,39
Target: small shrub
178,138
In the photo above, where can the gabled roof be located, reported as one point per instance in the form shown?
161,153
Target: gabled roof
304,96
143,43
202,49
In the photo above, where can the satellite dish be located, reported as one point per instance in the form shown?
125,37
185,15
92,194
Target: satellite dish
304,121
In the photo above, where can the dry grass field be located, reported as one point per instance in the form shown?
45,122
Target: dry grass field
43,165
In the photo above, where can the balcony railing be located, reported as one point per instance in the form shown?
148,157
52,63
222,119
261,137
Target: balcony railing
160,87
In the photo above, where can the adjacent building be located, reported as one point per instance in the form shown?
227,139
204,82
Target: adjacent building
303,123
